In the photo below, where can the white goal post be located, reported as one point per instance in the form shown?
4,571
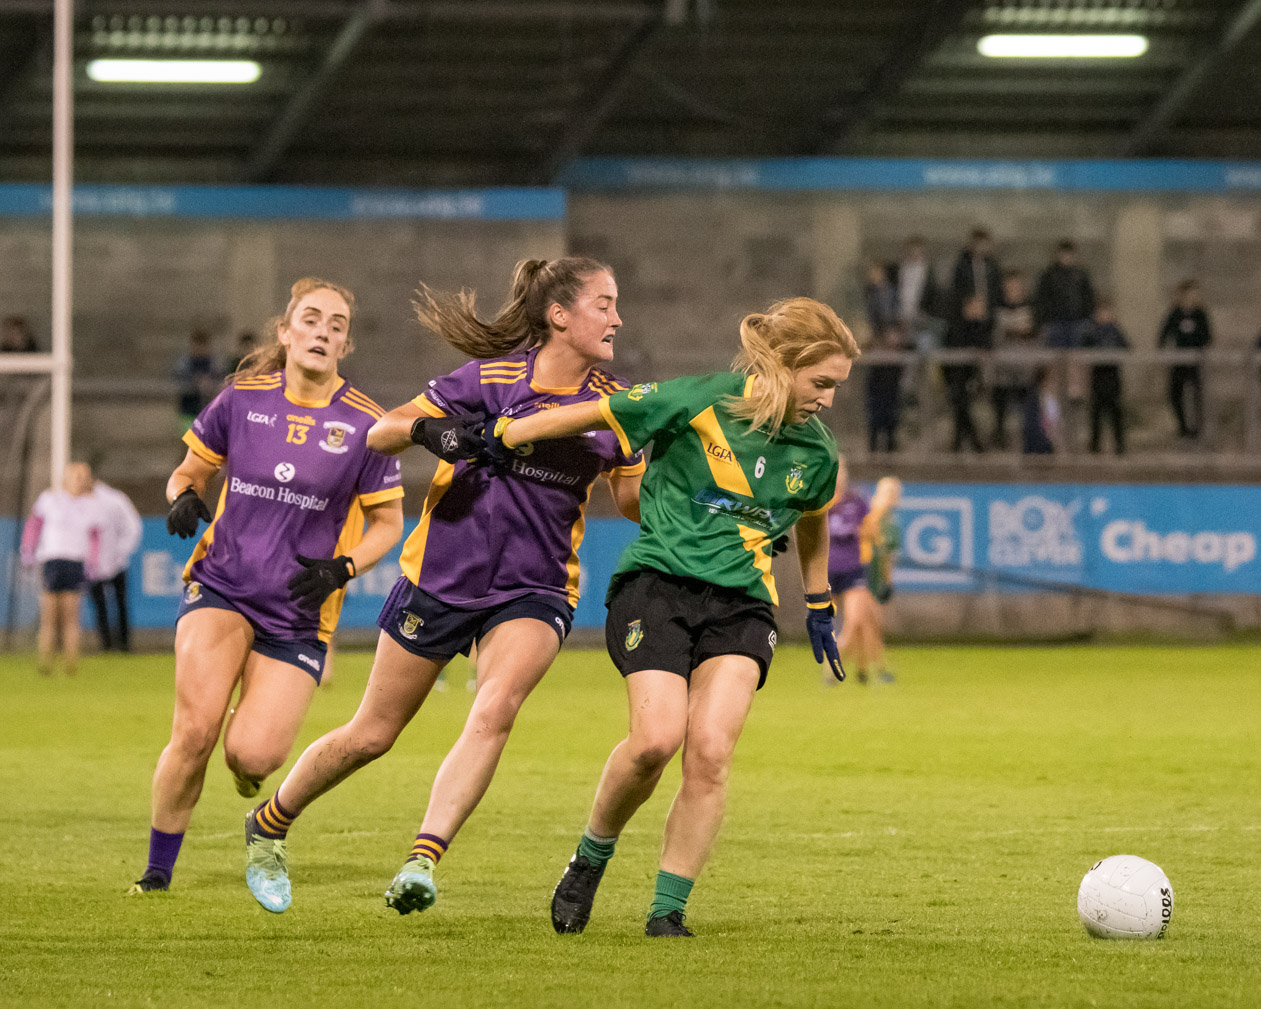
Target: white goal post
58,364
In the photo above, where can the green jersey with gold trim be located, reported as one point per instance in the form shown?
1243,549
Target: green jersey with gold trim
717,494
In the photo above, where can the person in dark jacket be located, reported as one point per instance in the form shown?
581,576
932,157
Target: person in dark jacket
971,331
16,336
1187,327
883,393
880,298
919,302
1103,333
1064,299
977,275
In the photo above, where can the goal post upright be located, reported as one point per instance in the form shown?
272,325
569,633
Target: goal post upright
62,236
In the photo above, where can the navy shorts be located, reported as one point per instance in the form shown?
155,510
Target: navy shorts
843,581
426,626
305,653
63,576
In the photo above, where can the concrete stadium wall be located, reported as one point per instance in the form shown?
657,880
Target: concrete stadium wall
691,263
141,285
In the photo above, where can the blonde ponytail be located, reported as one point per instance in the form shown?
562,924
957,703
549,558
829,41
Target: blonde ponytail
522,323
271,355
792,334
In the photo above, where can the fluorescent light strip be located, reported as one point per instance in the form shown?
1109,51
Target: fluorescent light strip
1061,47
174,71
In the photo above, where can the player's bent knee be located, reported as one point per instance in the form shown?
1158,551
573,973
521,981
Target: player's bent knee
707,766
366,747
652,753
497,712
254,761
193,743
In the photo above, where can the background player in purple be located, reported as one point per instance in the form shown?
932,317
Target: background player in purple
847,576
494,560
300,480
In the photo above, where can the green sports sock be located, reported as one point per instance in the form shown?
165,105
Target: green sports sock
672,893
596,849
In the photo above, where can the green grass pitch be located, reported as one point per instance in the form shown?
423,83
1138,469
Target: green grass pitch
912,845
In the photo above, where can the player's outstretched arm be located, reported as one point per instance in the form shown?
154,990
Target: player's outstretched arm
393,432
577,418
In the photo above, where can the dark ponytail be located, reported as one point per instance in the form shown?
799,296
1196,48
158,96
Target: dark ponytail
522,322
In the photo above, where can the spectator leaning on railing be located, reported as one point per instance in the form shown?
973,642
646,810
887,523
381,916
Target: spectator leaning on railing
977,275
919,301
1187,327
16,336
1013,332
1103,333
880,299
883,392
1065,298
972,331
199,377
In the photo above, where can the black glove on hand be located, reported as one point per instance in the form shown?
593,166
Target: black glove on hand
186,511
319,579
450,438
822,632
779,545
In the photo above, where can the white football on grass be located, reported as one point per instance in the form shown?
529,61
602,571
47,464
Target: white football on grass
1125,897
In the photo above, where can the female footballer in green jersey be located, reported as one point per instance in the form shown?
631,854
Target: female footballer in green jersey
739,459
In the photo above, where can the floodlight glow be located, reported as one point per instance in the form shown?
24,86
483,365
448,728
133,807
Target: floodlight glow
175,71
1061,47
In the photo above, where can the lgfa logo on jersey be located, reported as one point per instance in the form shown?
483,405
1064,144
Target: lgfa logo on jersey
334,439
638,392
634,634
796,479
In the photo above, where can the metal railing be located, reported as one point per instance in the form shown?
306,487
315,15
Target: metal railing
1229,438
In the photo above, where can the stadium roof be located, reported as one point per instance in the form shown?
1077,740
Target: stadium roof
475,92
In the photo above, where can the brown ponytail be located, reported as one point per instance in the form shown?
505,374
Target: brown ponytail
522,322
271,355
792,334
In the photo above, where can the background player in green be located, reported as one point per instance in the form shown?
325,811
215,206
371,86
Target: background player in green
738,460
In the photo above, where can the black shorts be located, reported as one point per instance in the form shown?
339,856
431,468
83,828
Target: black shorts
307,654
63,576
659,621
428,627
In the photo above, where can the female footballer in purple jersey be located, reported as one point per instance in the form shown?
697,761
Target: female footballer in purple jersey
493,561
847,576
291,434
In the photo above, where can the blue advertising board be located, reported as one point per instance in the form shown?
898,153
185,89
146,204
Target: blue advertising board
292,202
903,174
1145,540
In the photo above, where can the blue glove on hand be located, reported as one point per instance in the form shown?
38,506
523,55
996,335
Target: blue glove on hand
496,452
822,631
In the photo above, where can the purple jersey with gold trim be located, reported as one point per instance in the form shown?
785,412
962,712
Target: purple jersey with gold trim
844,522
484,539
297,476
